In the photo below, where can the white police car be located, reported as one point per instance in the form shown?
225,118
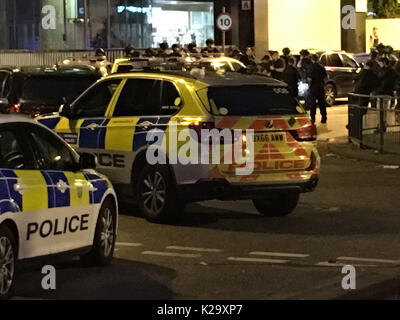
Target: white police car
51,200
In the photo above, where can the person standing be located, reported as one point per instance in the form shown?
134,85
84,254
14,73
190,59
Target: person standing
210,47
316,78
277,66
286,55
388,78
366,83
291,76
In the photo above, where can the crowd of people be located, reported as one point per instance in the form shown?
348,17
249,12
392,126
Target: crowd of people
176,50
292,70
380,75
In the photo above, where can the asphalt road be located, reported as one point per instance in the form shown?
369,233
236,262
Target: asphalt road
225,250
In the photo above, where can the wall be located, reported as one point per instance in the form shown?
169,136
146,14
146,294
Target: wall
261,27
388,32
304,24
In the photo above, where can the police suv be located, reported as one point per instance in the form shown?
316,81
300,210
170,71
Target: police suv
115,118
51,200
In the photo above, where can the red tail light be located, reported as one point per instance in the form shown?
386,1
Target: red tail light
308,133
14,108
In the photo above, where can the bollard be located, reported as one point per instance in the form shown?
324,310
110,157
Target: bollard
381,113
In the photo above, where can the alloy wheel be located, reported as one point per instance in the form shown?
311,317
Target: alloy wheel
154,192
107,234
6,265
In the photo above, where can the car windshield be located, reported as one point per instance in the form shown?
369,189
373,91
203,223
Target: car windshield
54,88
252,100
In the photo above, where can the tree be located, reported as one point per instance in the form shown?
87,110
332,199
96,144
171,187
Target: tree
385,8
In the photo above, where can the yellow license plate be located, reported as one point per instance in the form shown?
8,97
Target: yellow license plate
269,137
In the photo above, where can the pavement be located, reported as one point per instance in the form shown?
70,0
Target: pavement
226,250
333,141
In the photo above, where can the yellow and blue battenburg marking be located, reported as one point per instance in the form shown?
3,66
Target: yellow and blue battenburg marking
120,134
28,190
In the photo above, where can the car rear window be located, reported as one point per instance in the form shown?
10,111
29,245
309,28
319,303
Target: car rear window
251,100
54,88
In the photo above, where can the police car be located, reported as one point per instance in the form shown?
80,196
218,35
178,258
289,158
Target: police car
115,117
51,200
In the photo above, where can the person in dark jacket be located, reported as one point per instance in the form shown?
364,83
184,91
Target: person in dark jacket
388,78
291,76
286,55
316,78
277,66
376,67
210,47
366,83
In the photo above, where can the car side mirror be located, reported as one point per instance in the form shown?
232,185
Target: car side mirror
87,161
4,104
65,109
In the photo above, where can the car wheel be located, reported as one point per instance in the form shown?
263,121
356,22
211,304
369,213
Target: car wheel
330,95
157,195
104,238
277,205
8,259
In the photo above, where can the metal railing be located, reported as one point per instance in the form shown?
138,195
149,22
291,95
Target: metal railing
374,122
32,58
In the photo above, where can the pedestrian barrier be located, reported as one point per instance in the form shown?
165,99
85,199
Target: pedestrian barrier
31,58
374,122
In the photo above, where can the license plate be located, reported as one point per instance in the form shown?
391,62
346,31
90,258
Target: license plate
270,137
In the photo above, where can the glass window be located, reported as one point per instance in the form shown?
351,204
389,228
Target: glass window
54,87
323,60
50,153
252,100
334,60
95,102
348,62
5,84
12,154
169,102
139,97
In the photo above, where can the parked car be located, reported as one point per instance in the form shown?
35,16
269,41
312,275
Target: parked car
115,117
39,90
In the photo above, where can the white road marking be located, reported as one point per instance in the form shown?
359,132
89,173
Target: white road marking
128,244
339,264
172,254
279,254
193,249
368,260
277,261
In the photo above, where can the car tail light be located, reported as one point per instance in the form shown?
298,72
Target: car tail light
308,133
14,108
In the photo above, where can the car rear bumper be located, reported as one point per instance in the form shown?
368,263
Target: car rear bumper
223,190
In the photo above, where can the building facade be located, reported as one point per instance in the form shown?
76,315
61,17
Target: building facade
265,24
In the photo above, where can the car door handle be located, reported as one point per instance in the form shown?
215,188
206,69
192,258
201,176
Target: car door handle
20,188
92,126
145,124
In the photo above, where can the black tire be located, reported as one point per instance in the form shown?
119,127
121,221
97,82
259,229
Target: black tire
277,205
330,95
157,195
8,261
104,238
